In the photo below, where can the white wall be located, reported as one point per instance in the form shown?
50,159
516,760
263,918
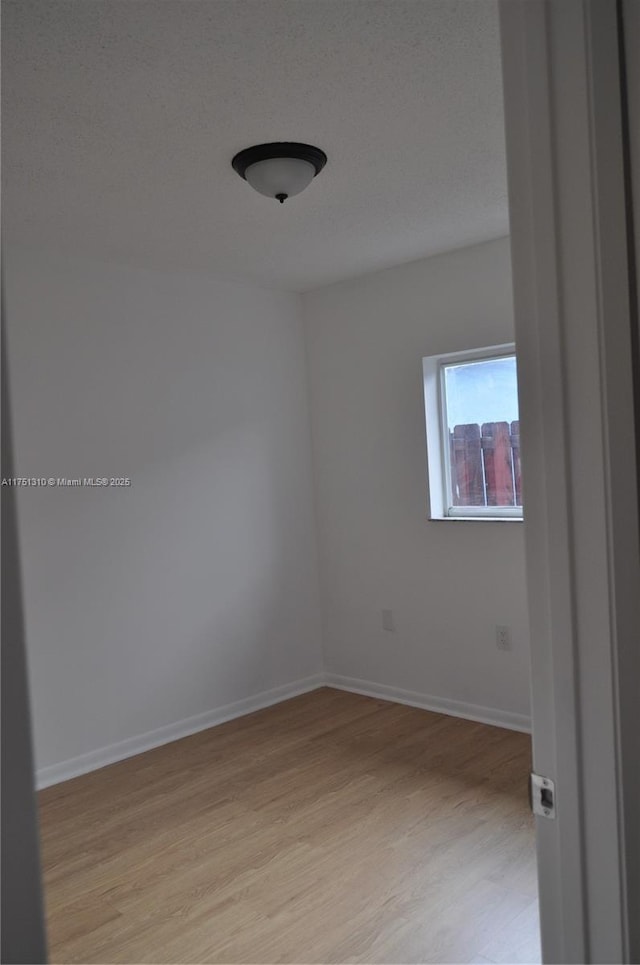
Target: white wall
197,586
448,583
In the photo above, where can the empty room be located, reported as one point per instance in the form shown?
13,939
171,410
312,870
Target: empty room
267,472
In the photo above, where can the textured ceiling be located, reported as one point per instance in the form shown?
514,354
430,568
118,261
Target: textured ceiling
120,119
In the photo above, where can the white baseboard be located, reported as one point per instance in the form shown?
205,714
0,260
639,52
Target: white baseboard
75,766
441,705
65,770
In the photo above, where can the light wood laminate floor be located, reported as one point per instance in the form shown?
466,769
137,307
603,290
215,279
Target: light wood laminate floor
329,828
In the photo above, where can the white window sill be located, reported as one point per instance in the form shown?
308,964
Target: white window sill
475,519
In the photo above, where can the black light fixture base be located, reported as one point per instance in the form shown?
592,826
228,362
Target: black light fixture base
264,152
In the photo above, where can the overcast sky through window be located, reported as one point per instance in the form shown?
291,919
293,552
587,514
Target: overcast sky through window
482,391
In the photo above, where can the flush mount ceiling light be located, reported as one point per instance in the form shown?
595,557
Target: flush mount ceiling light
281,169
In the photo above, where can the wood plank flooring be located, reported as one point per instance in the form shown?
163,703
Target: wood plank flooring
329,828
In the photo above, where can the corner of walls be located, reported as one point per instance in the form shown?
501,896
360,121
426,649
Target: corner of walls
448,586
314,476
194,587
336,491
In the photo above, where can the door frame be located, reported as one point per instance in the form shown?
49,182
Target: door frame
571,271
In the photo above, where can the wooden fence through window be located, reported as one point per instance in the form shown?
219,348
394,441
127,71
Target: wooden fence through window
485,464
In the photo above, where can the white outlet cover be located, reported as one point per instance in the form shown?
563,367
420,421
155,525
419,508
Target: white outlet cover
387,620
503,638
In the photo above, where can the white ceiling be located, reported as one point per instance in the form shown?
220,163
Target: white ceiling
121,118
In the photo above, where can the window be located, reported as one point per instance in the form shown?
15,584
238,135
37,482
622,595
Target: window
473,434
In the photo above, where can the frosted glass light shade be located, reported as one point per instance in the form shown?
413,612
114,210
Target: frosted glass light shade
279,169
280,177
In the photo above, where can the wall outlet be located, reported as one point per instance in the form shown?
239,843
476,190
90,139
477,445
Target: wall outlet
387,620
503,638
